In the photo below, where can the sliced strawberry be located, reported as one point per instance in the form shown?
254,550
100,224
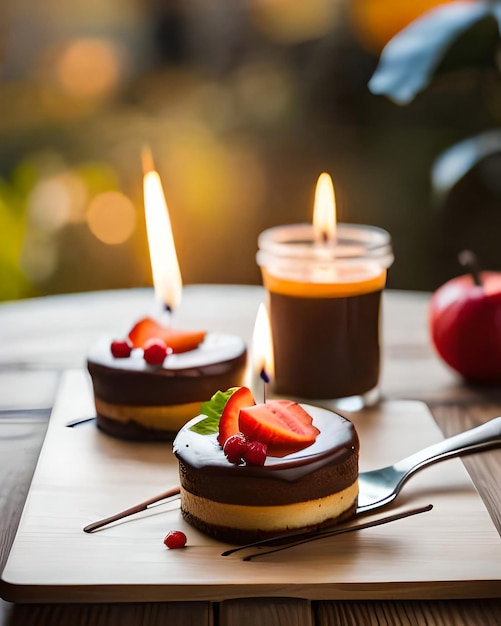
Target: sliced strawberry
176,339
281,424
228,424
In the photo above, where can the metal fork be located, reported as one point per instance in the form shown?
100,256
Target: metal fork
381,486
377,487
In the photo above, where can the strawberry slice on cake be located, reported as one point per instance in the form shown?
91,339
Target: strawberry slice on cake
176,339
228,422
284,426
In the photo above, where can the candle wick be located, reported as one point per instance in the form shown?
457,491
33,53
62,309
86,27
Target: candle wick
166,313
264,375
266,379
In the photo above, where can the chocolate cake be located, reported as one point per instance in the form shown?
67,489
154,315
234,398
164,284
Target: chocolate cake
135,400
238,503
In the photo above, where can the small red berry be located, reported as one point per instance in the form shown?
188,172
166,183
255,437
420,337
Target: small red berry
255,453
175,539
155,351
121,348
234,448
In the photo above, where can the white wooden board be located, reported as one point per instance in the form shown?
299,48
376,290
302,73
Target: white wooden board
83,475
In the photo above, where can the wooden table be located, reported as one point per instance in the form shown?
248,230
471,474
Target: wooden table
41,339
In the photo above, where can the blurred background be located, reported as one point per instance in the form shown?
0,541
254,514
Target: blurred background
243,103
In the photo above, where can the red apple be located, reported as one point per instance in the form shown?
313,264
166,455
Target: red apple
465,325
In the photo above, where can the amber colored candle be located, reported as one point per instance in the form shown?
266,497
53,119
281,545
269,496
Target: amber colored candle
324,304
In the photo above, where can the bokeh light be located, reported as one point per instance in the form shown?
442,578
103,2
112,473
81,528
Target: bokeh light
292,22
56,201
88,68
243,105
375,22
111,217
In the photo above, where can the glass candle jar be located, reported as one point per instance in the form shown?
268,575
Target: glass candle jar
324,304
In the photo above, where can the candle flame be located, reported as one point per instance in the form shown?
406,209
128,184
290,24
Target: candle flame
164,264
262,345
324,212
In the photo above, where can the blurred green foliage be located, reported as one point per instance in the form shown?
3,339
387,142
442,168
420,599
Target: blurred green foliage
13,281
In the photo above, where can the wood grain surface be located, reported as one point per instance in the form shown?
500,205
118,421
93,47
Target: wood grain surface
42,338
452,551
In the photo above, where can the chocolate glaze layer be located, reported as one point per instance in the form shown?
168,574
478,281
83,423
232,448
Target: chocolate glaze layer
325,347
218,363
326,467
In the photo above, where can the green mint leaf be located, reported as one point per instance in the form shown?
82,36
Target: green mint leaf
212,409
208,426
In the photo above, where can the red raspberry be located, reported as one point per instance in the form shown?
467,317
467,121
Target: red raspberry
234,448
155,351
175,539
255,453
121,348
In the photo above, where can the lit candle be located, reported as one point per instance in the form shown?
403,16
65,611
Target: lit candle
324,211
262,348
164,264
324,283
148,383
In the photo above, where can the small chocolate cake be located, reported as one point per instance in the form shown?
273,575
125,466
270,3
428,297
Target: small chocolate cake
307,490
138,401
